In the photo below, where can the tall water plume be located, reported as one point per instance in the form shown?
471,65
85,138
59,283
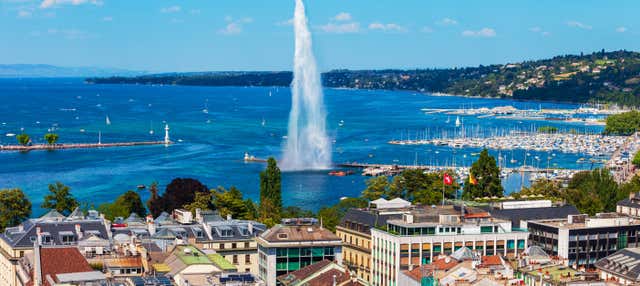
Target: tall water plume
308,146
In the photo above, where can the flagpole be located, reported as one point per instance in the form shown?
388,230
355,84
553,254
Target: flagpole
443,191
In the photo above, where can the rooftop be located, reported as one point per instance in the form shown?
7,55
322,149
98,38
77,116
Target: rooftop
583,221
190,255
50,262
517,215
222,263
625,263
299,233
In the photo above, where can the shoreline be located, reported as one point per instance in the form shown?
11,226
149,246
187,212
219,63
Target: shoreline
79,146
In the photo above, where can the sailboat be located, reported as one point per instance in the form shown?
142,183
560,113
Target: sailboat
513,161
107,121
206,107
458,121
448,119
151,128
269,93
264,122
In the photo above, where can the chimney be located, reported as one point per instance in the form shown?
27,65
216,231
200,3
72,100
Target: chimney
198,215
151,227
78,231
38,230
149,218
250,227
229,217
334,280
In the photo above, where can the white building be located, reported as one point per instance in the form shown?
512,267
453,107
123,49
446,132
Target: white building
422,235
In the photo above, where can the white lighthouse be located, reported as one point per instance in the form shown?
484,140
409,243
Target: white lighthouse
166,134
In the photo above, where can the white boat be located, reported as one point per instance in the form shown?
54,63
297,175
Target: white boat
206,107
458,121
341,123
82,130
448,120
107,120
10,134
151,128
264,122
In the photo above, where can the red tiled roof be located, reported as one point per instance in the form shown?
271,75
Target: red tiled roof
327,278
491,260
477,215
60,260
444,264
427,269
303,273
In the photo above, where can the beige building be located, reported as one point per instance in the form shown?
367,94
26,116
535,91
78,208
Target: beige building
54,230
234,239
355,232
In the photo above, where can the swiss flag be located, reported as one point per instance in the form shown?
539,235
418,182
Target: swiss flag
447,179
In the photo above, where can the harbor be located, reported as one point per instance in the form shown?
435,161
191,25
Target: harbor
24,148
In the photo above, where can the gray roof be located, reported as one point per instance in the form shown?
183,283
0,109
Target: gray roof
517,215
235,229
625,263
362,220
25,235
634,203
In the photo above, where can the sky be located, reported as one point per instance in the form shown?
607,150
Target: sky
217,35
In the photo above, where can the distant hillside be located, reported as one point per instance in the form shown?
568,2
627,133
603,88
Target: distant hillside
598,77
28,70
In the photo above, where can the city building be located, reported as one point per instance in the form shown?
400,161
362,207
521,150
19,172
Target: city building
463,267
54,229
425,233
520,212
321,273
579,240
355,231
295,244
234,239
629,206
191,267
622,267
61,265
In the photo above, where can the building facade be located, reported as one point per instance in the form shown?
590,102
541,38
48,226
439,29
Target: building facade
355,231
579,241
295,244
425,233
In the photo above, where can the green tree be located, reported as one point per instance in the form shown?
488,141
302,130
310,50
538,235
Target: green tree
203,201
15,207
636,160
154,204
296,212
123,206
550,189
331,216
60,199
23,139
51,138
623,124
594,191
377,187
487,174
231,202
270,193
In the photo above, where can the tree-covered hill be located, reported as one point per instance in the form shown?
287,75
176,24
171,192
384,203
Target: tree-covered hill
598,77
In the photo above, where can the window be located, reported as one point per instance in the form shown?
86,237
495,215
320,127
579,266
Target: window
247,259
233,245
221,245
247,270
246,245
235,259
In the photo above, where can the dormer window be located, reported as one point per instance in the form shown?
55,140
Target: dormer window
67,237
282,236
45,238
198,232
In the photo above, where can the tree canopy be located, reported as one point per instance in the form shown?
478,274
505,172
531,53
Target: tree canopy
594,191
23,139
51,138
413,185
230,202
177,194
270,193
623,124
123,206
487,174
331,216
60,199
15,207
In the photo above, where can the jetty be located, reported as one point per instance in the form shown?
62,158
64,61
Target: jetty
78,145
62,146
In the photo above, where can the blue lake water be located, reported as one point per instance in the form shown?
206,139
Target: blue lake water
213,144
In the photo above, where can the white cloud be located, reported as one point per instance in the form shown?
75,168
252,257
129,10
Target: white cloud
352,27
484,32
287,22
171,9
194,11
69,34
24,14
107,19
539,30
342,23
234,26
50,3
576,24
390,27
621,29
342,16
447,22
427,29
